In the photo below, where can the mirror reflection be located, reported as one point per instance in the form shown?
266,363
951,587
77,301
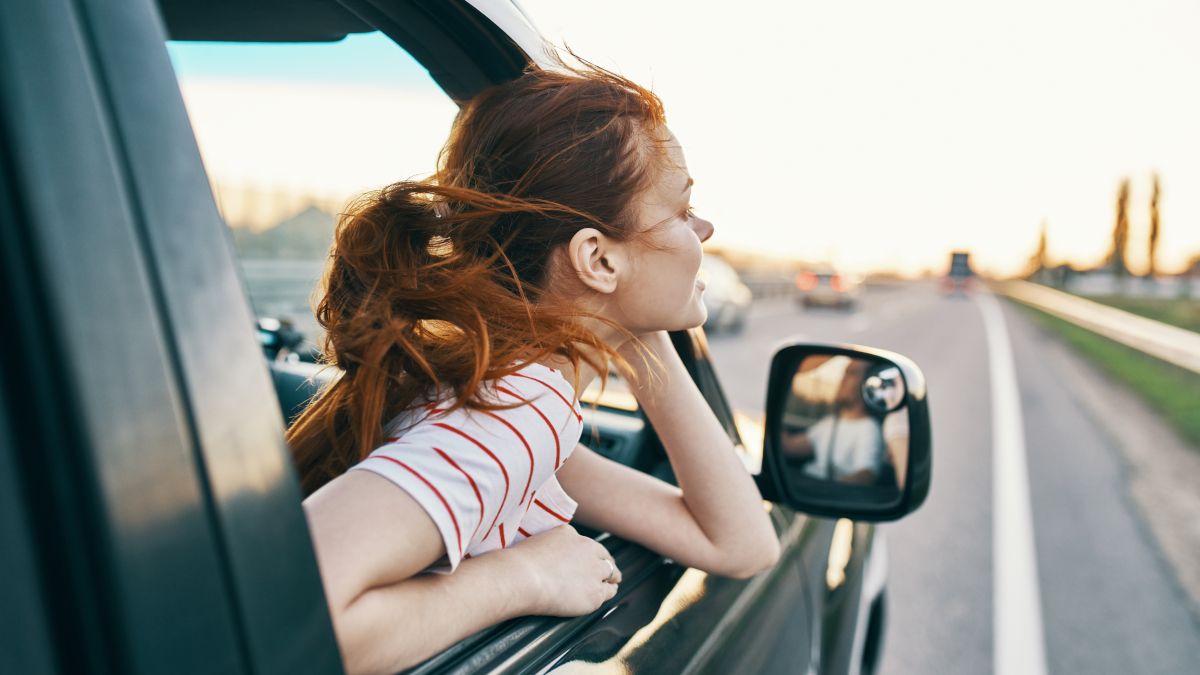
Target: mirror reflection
845,422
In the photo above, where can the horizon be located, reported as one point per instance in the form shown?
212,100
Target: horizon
743,259
878,139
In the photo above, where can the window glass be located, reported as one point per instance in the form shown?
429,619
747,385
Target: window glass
289,132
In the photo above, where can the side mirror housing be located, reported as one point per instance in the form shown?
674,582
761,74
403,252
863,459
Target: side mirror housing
847,432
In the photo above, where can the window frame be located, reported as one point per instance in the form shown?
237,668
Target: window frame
168,524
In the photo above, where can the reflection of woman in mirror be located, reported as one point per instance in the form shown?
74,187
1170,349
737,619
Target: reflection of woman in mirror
845,445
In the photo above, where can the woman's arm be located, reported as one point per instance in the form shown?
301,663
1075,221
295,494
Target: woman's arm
393,627
715,519
371,538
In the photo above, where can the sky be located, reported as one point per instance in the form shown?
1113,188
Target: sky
876,135
279,124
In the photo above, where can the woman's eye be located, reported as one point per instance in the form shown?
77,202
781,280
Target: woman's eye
688,213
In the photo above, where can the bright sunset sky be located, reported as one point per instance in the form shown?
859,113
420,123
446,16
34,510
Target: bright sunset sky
875,134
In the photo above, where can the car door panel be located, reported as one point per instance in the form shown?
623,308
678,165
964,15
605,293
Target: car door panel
681,620
771,631
252,488
27,645
844,606
109,465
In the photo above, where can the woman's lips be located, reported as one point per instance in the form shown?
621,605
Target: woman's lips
700,284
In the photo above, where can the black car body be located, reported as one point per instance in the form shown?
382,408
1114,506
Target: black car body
725,296
150,515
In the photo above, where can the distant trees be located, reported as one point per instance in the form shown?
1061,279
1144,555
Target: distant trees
1036,267
1117,262
1039,257
1152,252
1040,269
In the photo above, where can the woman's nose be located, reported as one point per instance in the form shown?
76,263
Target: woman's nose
704,228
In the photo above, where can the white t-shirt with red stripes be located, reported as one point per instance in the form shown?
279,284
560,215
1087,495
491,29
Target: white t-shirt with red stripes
486,478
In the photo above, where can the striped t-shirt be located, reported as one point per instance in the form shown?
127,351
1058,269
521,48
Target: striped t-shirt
486,478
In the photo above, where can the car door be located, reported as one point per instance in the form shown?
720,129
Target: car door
161,508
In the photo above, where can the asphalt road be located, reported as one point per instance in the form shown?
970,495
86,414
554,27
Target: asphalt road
1109,601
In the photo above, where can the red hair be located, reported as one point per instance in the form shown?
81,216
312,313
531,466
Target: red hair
442,283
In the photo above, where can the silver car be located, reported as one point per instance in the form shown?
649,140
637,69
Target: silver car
827,287
725,296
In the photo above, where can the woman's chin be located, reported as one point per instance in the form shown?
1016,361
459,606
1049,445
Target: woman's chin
696,318
693,315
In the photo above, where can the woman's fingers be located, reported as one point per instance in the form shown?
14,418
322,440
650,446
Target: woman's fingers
611,573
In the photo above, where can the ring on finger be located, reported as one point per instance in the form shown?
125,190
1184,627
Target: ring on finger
612,570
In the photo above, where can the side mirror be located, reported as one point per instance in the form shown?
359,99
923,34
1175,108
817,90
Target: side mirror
847,432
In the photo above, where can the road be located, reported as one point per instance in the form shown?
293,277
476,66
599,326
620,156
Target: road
1109,600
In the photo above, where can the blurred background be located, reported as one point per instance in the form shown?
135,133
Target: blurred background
877,172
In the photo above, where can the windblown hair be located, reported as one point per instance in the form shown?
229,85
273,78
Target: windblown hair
441,285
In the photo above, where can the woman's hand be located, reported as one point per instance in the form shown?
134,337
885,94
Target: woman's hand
650,356
657,342
566,572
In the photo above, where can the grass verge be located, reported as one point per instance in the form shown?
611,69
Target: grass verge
1173,391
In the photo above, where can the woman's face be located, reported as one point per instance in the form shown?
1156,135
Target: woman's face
659,289
849,395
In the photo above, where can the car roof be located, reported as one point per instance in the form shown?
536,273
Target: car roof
502,40
260,21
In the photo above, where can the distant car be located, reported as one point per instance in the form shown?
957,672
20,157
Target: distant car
827,287
725,296
960,278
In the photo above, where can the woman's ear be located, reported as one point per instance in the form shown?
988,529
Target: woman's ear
595,259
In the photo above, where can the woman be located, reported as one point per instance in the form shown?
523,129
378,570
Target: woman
847,444
467,313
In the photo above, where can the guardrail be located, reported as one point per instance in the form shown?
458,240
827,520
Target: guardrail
1172,344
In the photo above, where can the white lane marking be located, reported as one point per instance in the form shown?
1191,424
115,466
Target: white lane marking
1019,643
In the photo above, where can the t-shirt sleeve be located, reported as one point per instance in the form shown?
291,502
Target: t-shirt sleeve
455,489
868,448
475,471
818,437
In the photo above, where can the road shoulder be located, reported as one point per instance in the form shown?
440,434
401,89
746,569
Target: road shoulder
1164,472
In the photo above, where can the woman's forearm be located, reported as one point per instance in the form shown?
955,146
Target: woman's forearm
717,489
389,628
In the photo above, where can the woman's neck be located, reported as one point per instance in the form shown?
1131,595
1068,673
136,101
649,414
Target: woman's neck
608,335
